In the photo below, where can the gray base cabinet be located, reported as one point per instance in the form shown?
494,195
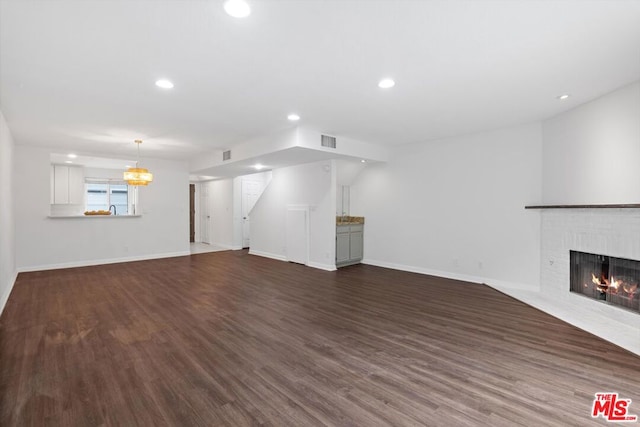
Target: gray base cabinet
349,243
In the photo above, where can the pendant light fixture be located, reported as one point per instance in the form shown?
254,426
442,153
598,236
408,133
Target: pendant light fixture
138,176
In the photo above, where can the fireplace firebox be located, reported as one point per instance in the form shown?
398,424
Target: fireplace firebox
606,278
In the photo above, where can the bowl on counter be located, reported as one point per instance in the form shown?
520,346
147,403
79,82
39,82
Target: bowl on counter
100,212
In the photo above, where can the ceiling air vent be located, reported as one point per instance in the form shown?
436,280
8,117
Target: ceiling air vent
226,155
328,141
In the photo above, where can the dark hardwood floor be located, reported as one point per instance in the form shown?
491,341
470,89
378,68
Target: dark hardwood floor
227,338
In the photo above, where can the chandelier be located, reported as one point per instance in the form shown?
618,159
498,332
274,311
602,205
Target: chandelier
138,176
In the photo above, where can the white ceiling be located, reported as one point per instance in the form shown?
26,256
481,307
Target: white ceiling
79,75
92,161
282,158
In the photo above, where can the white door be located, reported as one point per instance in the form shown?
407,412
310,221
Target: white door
297,235
250,193
205,214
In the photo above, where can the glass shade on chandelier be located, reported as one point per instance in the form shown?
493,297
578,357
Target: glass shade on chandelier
138,176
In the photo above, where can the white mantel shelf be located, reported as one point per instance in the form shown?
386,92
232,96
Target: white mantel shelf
92,216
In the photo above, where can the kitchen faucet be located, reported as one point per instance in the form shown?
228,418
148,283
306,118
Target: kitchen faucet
114,209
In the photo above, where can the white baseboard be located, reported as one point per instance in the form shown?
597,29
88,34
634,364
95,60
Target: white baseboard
88,263
449,275
422,270
326,267
267,255
5,296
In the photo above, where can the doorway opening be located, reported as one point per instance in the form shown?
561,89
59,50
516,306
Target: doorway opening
192,213
251,188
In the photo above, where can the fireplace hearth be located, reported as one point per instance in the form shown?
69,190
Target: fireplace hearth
606,278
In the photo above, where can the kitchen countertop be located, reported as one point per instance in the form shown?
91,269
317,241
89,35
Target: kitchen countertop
94,216
349,220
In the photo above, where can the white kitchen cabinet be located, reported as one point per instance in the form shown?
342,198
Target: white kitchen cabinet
60,184
349,244
52,181
76,185
68,185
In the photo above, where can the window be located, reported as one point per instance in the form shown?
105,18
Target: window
103,194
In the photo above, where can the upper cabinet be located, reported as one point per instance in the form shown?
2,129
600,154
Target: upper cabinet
67,185
76,185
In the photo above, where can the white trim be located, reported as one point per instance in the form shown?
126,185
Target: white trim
498,284
268,255
421,270
88,263
326,267
320,266
4,298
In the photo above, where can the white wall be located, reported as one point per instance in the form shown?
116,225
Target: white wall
310,184
42,242
591,153
455,207
7,223
346,172
103,173
222,211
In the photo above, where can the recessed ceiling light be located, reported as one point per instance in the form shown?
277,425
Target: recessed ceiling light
563,97
237,8
164,84
386,83
72,156
293,117
363,161
258,166
68,161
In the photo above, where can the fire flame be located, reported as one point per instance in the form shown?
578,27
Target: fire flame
613,286
630,288
602,287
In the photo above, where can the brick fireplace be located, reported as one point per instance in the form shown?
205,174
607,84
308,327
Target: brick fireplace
614,232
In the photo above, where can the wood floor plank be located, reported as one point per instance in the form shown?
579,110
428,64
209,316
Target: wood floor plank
230,339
